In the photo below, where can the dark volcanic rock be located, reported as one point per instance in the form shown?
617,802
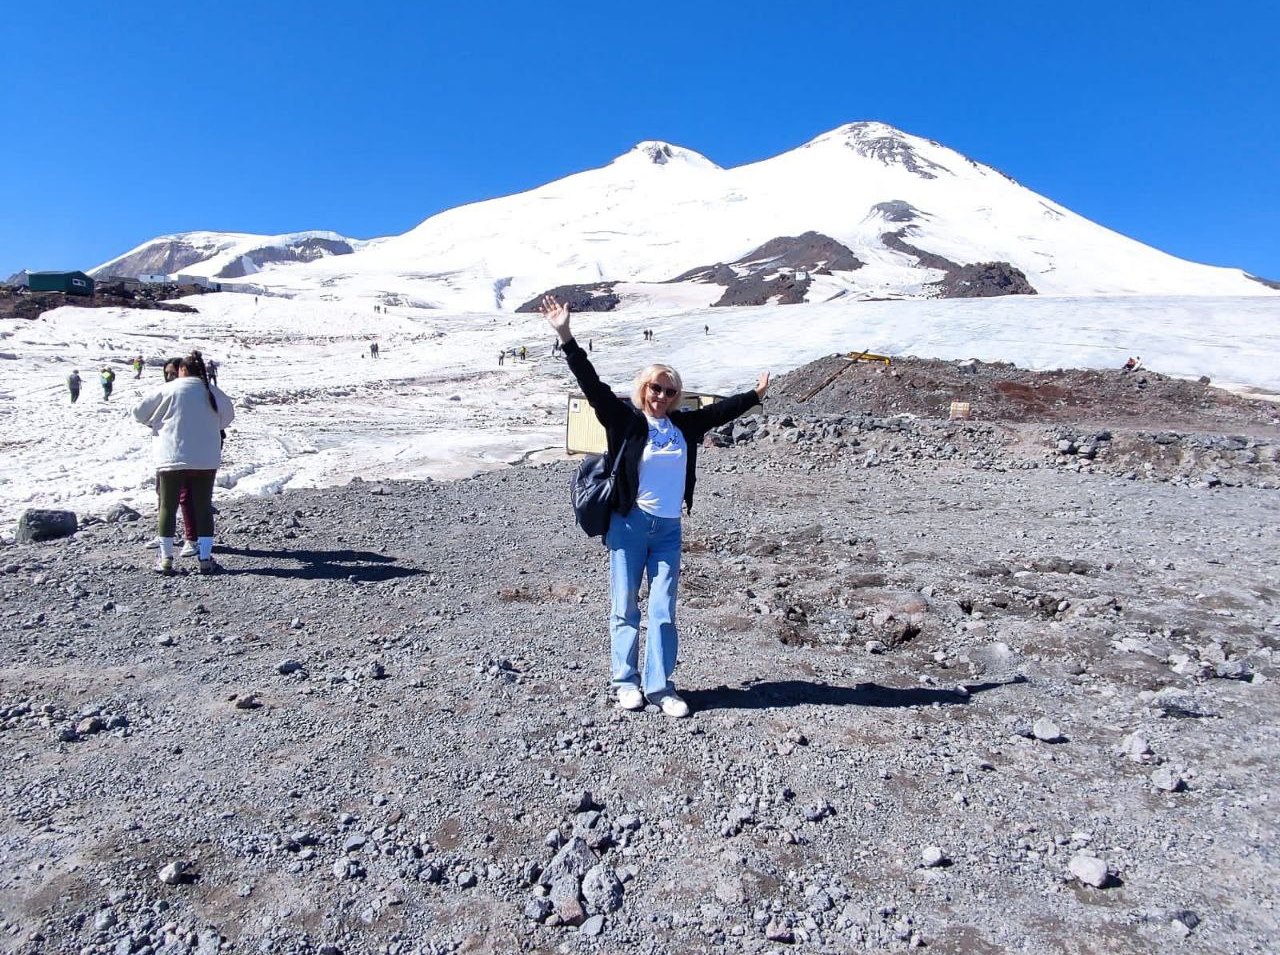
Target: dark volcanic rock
984,280
809,251
718,274
777,271
896,210
927,260
980,280
36,524
876,141
19,303
784,289
580,298
1269,283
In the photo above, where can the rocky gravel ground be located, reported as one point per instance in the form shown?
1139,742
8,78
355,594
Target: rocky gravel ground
969,687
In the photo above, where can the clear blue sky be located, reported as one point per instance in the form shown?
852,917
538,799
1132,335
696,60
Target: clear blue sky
128,120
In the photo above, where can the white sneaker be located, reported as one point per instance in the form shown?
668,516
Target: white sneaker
630,698
670,704
189,549
163,565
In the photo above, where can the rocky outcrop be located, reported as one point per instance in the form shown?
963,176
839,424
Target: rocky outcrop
786,288
889,146
173,254
37,524
162,257
19,303
776,272
983,280
926,260
308,250
580,298
979,280
896,210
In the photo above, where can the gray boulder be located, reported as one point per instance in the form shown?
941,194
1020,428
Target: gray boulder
121,513
601,890
567,901
37,524
575,858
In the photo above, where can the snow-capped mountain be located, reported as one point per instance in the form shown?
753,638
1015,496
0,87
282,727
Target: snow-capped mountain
864,211
224,255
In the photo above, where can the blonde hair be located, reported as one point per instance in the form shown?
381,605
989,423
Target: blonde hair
651,373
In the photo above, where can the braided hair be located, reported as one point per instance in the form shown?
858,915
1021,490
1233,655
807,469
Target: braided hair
194,364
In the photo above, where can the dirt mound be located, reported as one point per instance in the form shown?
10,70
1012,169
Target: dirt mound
1003,392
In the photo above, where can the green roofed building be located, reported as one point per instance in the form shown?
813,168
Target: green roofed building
72,283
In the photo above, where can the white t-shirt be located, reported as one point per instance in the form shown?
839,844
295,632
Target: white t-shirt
662,469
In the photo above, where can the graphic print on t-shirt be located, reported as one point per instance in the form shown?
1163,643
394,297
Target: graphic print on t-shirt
662,470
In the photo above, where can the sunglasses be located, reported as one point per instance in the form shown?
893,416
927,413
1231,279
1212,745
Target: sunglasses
657,389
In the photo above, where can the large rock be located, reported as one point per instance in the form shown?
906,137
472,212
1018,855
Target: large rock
1090,870
36,524
121,513
567,901
575,858
601,890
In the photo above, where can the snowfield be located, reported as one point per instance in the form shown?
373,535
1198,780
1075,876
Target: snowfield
314,409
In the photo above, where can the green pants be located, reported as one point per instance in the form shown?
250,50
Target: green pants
169,484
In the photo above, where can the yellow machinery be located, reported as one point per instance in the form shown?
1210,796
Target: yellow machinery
851,359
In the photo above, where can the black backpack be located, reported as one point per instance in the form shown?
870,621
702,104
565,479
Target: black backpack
593,490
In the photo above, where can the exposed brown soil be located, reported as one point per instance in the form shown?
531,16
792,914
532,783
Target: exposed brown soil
1001,392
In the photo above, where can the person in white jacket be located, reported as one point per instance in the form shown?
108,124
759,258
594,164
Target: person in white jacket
187,417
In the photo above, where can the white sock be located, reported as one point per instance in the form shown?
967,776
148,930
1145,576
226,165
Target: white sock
206,547
166,547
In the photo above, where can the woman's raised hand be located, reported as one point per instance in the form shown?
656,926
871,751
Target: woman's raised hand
762,384
557,315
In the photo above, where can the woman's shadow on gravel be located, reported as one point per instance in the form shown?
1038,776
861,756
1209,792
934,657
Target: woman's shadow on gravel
782,693
362,565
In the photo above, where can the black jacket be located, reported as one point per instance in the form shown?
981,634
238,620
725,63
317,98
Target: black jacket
622,420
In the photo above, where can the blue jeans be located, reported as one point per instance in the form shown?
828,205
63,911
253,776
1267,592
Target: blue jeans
639,542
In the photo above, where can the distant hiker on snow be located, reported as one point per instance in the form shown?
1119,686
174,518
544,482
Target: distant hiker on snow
137,367
73,386
502,355
373,349
655,477
186,417
108,378
212,367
